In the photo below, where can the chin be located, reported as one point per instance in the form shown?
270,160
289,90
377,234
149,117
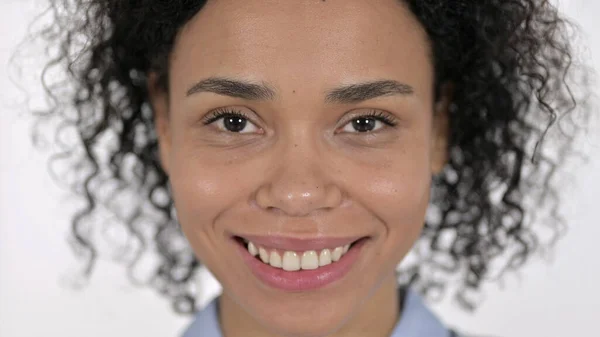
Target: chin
318,320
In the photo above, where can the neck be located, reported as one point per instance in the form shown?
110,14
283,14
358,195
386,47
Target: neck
377,318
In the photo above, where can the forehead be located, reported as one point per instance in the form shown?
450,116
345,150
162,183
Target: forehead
324,43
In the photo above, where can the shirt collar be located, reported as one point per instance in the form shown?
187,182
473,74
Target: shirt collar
416,320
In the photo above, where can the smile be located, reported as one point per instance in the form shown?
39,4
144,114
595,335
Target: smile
292,261
299,265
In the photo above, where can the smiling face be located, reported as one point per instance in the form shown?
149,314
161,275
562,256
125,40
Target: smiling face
301,120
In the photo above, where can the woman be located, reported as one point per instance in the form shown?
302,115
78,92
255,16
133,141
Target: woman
302,148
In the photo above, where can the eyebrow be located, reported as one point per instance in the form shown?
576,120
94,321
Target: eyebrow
359,92
352,93
233,88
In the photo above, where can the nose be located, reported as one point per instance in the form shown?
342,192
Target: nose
299,181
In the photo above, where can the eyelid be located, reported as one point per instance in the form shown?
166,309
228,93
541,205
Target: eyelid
380,115
218,113
385,117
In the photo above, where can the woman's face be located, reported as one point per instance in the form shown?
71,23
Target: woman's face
301,163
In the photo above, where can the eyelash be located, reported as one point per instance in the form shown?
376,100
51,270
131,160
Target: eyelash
227,112
223,112
380,116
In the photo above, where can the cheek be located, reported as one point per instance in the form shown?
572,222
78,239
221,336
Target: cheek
398,193
399,187
202,192
195,187
202,181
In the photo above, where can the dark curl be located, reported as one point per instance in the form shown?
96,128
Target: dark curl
509,64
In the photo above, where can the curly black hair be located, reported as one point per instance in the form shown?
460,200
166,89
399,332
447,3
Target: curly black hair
509,62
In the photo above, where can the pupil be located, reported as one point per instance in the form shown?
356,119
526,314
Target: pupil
235,124
363,124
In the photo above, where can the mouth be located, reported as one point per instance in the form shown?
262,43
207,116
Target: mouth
296,264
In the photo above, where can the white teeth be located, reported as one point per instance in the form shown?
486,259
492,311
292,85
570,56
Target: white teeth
275,259
310,260
252,249
324,257
337,253
264,255
291,261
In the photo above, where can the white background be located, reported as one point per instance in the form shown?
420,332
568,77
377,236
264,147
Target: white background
556,299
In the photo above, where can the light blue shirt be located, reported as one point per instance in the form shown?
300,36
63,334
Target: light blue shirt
416,321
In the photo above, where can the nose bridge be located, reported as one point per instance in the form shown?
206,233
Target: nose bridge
299,181
301,146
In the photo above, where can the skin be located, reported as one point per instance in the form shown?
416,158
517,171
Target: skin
298,172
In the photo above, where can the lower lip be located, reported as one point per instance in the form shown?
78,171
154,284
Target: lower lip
302,280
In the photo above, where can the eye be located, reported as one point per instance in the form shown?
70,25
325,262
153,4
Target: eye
229,120
369,122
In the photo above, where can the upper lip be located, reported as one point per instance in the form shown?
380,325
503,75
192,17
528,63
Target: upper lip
299,244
